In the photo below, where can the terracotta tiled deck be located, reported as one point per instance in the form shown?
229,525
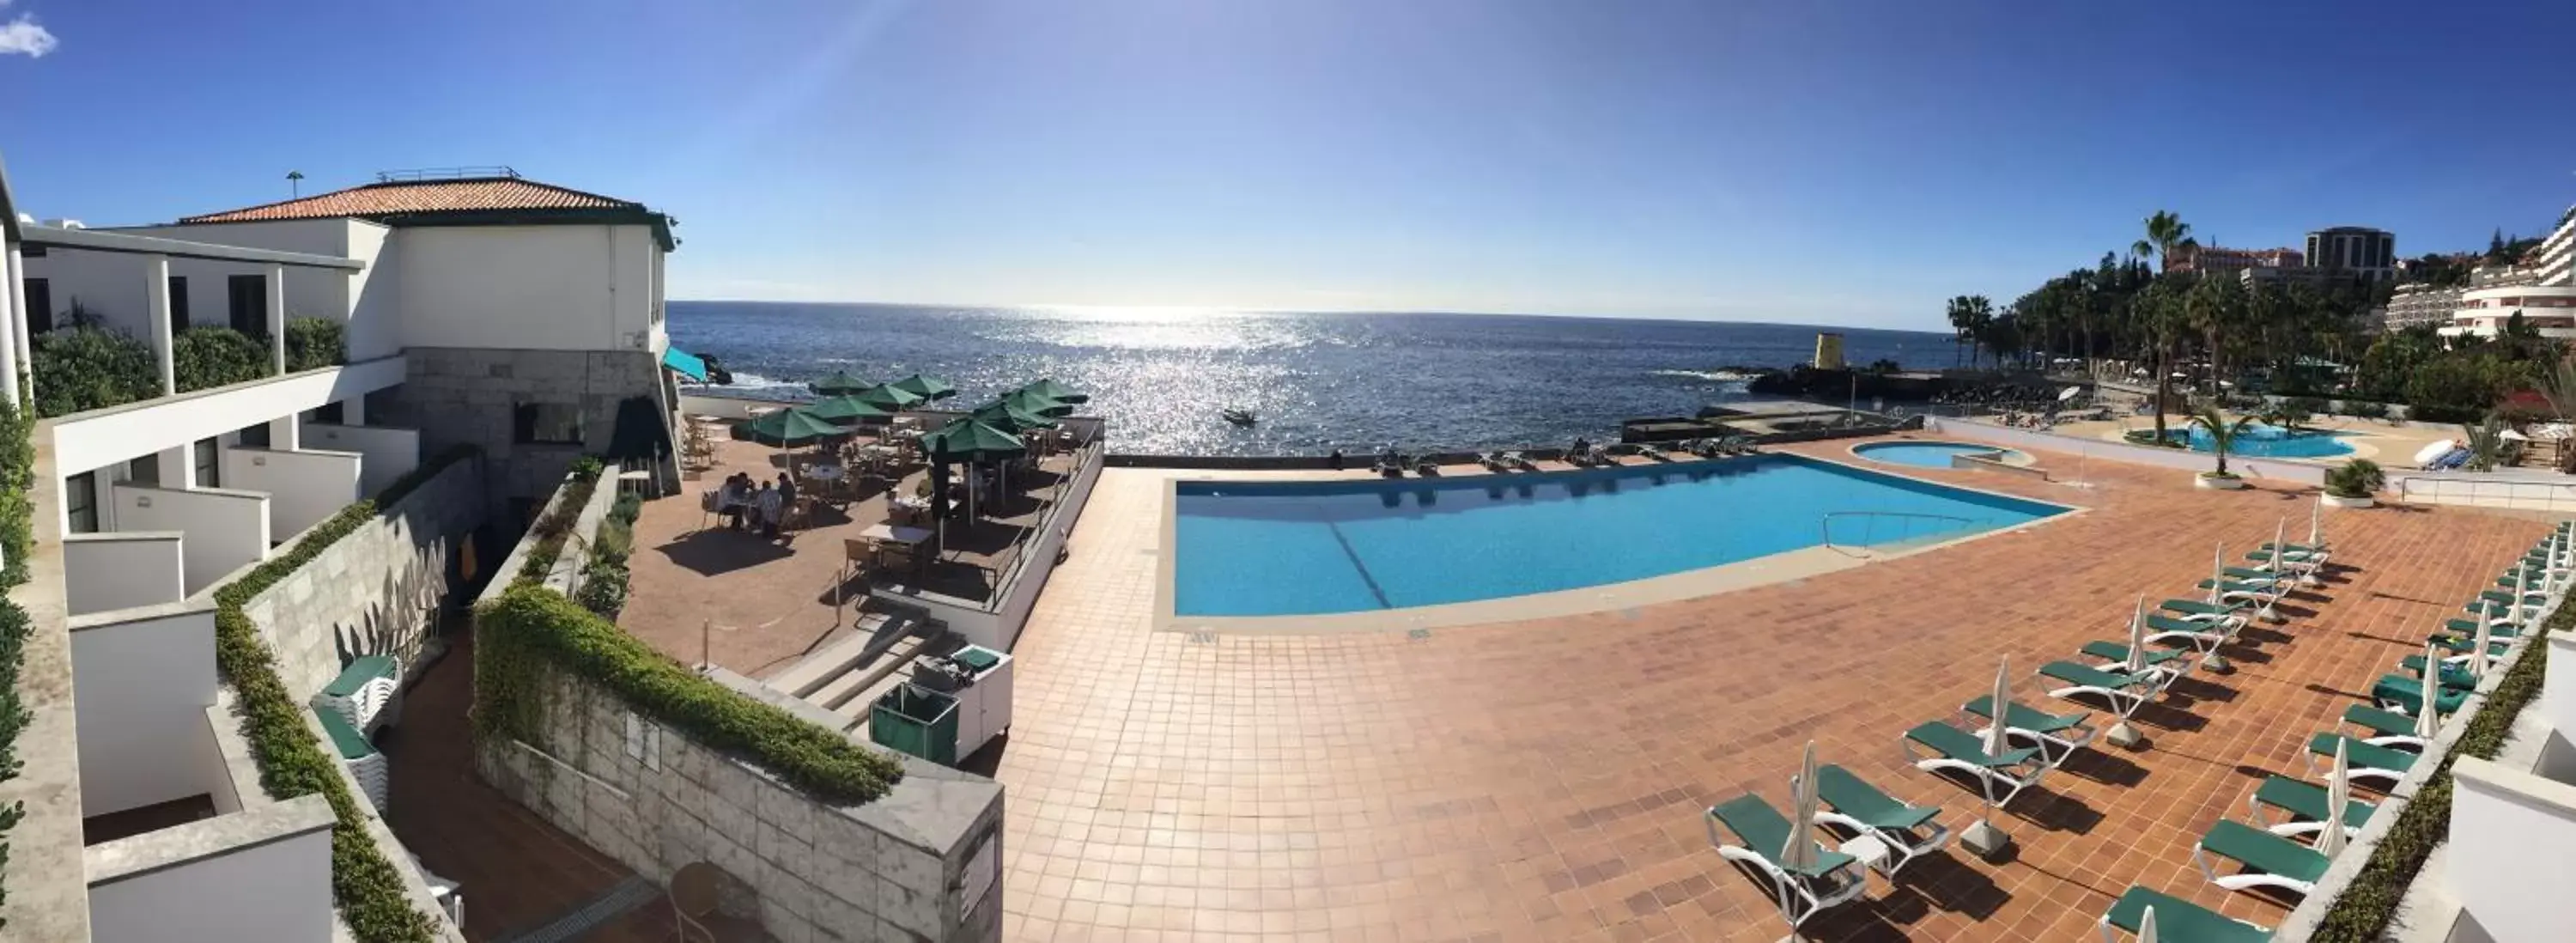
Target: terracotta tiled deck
756,604
1545,780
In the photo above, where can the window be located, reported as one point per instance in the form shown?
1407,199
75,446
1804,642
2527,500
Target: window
254,436
210,472
178,302
144,471
80,502
40,305
547,423
247,296
330,412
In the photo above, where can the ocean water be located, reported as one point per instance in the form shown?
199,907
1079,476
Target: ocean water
1292,548
1318,382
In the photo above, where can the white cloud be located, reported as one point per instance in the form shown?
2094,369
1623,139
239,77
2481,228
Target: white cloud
22,35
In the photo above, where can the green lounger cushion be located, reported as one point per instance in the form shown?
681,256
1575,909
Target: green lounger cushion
2453,676
2181,921
2307,801
2380,723
2119,652
1958,744
2197,607
2263,851
2408,692
2470,627
1765,831
1855,797
2459,644
2160,623
2249,573
2090,676
2362,754
2017,715
2298,548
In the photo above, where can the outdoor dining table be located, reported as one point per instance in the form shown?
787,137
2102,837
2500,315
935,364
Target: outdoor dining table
824,472
909,538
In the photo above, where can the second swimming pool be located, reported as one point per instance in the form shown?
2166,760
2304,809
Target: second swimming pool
1303,548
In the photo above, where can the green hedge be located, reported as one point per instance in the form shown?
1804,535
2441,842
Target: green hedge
202,358
312,343
553,526
531,624
368,888
84,368
17,540
17,478
2361,913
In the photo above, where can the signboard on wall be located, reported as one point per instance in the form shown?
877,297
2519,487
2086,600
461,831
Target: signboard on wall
983,870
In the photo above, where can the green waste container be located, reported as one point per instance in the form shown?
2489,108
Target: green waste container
916,720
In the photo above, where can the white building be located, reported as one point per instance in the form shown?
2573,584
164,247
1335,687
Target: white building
2541,288
479,309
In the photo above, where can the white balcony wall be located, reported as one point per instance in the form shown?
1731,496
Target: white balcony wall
303,486
259,874
144,678
526,287
364,300
2509,860
103,572
226,529
103,437
390,453
111,285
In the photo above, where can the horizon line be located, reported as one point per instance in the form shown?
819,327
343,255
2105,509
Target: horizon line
1220,309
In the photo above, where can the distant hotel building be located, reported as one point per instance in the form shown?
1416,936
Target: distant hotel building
2541,288
2422,304
2206,259
2371,254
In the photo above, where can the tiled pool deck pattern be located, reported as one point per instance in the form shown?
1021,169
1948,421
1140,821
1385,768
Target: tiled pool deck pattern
1544,780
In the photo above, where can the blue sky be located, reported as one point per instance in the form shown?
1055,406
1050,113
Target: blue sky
1849,162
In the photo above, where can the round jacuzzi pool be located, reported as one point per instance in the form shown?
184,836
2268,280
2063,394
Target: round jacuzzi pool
1931,454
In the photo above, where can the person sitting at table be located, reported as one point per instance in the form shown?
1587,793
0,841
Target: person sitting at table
768,506
730,500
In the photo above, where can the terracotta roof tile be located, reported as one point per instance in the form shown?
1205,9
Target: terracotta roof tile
415,199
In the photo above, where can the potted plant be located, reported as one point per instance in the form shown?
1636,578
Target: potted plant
2353,485
2222,436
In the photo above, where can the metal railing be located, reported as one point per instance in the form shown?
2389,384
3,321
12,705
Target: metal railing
2505,493
1906,527
445,173
996,581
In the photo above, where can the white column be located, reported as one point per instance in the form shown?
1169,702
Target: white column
10,295
353,411
156,271
282,434
178,467
18,331
277,318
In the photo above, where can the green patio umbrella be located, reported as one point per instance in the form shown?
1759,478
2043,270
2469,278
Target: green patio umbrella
1002,415
1053,390
838,383
971,441
1036,404
926,387
844,409
788,428
888,397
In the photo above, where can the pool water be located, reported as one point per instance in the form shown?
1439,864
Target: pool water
2262,441
1304,548
1924,454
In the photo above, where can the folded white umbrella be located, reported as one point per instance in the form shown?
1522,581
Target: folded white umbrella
2477,656
2521,587
2147,926
2428,720
2280,551
2137,638
2330,839
2316,526
2217,571
1801,850
1996,742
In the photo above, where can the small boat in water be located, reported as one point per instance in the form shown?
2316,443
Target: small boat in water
1240,417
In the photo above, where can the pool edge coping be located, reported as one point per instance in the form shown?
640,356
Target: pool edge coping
1702,582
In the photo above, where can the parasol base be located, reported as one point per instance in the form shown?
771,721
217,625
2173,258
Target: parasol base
2271,615
2217,662
2124,736
1985,840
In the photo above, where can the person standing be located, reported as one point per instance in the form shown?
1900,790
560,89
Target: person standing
768,507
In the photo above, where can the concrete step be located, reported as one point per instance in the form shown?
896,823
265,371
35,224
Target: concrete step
841,689
831,661
855,707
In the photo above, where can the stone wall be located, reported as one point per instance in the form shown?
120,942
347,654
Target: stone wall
377,590
897,869
464,395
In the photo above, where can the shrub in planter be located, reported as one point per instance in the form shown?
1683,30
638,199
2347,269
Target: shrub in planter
628,508
614,542
588,467
603,588
2355,481
84,368
203,358
2222,436
313,343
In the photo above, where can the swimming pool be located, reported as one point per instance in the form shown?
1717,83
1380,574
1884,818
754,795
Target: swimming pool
1306,548
1927,454
2262,441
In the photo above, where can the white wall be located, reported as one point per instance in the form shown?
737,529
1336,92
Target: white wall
526,287
108,283
266,876
2510,860
122,570
303,486
104,437
725,407
227,529
390,453
144,678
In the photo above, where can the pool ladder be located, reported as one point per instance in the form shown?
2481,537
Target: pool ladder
1870,527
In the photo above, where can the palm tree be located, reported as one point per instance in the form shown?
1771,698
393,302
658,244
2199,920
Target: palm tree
2157,314
2222,431
2486,442
1972,317
2165,233
2214,306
